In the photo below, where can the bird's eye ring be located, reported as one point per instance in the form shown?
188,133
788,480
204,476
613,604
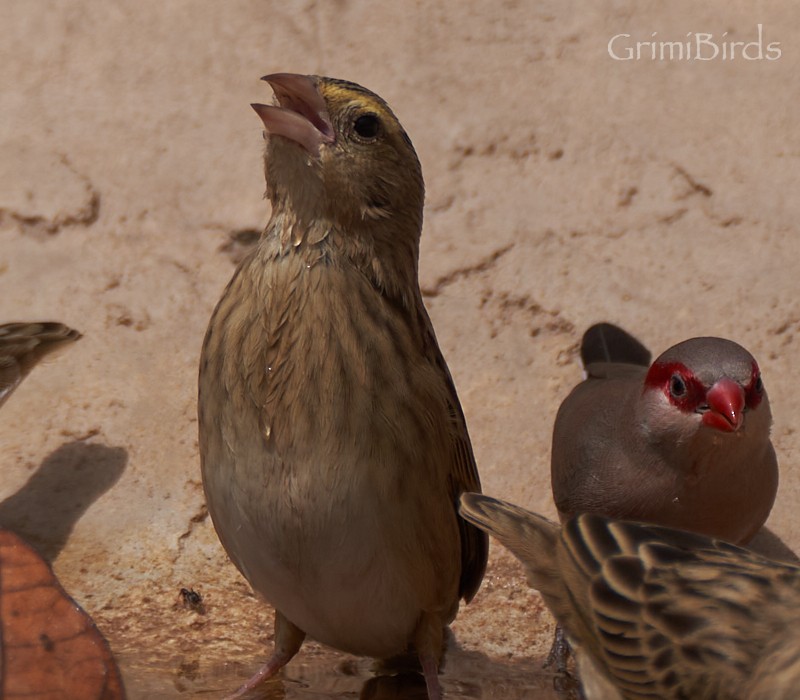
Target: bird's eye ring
759,385
367,126
677,387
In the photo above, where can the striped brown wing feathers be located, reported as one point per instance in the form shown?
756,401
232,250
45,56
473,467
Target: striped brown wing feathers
464,477
463,473
660,613
674,614
22,345
777,676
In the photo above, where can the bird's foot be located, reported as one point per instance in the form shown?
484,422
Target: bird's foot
559,652
568,687
565,683
276,662
288,639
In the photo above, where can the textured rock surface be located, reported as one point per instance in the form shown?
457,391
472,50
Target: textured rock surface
563,188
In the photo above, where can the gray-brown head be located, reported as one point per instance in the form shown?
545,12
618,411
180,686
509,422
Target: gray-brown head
711,382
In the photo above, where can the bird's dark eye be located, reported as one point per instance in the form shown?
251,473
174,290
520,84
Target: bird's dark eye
677,387
755,391
367,126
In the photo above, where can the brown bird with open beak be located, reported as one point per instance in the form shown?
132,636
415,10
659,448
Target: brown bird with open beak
23,345
684,443
656,612
332,442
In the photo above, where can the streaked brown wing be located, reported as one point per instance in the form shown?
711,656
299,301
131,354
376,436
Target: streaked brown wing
668,608
22,345
462,476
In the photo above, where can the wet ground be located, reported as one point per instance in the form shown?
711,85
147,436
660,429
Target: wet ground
319,673
208,647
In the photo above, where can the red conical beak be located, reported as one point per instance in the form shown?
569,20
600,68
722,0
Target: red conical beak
301,116
725,406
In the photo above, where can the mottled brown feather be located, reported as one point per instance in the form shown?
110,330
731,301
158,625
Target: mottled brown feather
23,345
660,612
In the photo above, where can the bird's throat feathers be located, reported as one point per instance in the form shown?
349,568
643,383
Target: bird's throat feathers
389,262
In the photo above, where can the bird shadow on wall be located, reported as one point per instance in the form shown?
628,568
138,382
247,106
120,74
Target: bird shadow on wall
45,510
768,544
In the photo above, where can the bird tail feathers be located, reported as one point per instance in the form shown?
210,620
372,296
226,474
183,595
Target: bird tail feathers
531,538
605,342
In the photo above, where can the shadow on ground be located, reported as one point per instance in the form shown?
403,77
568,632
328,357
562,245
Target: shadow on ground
45,510
768,544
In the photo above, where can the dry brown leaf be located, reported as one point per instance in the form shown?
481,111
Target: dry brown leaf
50,647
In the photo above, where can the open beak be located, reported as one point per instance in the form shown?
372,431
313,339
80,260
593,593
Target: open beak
300,114
725,406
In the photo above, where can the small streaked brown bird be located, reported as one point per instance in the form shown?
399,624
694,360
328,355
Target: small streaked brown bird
657,612
23,345
684,442
332,443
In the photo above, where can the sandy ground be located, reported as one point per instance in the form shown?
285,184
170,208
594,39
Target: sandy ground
564,187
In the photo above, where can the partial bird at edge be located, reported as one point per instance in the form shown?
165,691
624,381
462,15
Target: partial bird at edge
658,612
23,345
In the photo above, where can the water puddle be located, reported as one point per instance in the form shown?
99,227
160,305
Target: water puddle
321,673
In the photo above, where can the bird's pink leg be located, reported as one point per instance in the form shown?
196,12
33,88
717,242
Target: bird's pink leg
430,670
288,640
429,641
